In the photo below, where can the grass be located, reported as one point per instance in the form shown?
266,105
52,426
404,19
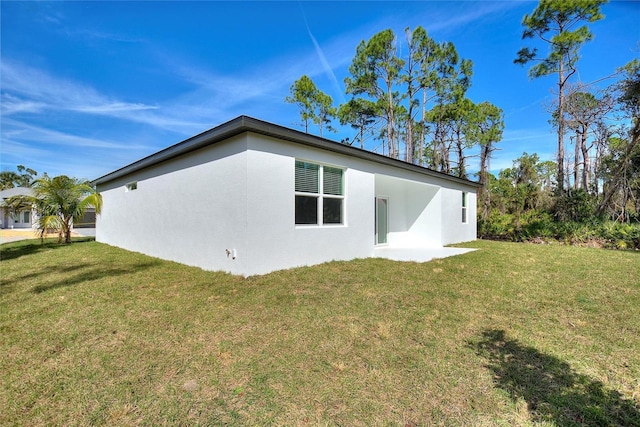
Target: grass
511,334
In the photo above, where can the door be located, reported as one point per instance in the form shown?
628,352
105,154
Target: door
382,220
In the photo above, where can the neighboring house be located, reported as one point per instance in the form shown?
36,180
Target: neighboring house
88,220
22,218
250,197
27,217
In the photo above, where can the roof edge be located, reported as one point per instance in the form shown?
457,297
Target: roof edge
243,124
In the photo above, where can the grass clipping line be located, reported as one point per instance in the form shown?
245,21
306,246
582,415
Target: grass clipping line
513,334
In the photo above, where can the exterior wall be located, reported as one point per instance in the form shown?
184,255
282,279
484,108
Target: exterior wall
453,230
238,195
189,210
17,220
414,212
8,220
274,241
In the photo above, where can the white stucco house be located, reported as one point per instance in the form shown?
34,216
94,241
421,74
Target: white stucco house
250,197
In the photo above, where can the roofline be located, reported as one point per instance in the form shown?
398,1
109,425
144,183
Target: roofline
244,124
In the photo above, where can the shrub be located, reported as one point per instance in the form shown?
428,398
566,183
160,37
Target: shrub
536,225
620,235
576,205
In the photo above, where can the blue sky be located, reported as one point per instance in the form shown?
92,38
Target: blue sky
88,87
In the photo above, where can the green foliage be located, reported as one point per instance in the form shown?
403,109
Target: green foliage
314,105
620,235
538,226
525,208
361,114
576,205
22,178
554,22
60,201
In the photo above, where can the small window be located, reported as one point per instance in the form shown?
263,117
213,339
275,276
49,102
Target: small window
27,217
132,186
464,207
319,194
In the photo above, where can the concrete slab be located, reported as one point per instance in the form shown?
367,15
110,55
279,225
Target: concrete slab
417,254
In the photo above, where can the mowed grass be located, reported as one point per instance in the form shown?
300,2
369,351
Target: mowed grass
511,334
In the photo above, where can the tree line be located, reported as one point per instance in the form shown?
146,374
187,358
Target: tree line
414,103
411,96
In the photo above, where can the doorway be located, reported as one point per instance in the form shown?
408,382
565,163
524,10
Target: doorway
382,220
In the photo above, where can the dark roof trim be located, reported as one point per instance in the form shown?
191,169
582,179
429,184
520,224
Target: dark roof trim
243,124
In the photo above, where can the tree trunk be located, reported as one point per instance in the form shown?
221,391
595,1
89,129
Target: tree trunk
576,161
67,230
561,128
586,167
422,127
611,187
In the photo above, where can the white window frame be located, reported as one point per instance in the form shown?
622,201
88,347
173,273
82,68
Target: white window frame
465,212
321,196
131,186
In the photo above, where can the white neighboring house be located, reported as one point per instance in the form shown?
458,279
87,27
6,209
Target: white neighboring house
28,218
250,197
23,218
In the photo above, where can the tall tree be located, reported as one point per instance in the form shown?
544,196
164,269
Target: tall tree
584,110
419,56
485,129
555,22
361,114
429,56
621,167
324,111
303,92
452,79
315,106
375,72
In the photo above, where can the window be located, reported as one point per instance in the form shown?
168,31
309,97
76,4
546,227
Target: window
132,186
464,207
319,194
27,217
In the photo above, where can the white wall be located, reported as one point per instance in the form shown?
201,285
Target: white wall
275,242
239,195
453,230
414,211
188,210
9,220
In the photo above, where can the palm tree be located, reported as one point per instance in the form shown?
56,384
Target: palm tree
61,200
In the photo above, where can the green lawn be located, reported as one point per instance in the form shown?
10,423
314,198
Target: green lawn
511,334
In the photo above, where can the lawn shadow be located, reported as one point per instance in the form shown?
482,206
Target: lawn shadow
86,273
13,250
553,391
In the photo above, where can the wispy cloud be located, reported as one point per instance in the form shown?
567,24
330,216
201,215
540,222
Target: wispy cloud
30,90
60,152
23,85
16,131
323,59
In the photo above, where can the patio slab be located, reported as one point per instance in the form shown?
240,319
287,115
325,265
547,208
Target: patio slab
418,254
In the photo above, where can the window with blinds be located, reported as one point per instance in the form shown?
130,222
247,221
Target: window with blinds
319,194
